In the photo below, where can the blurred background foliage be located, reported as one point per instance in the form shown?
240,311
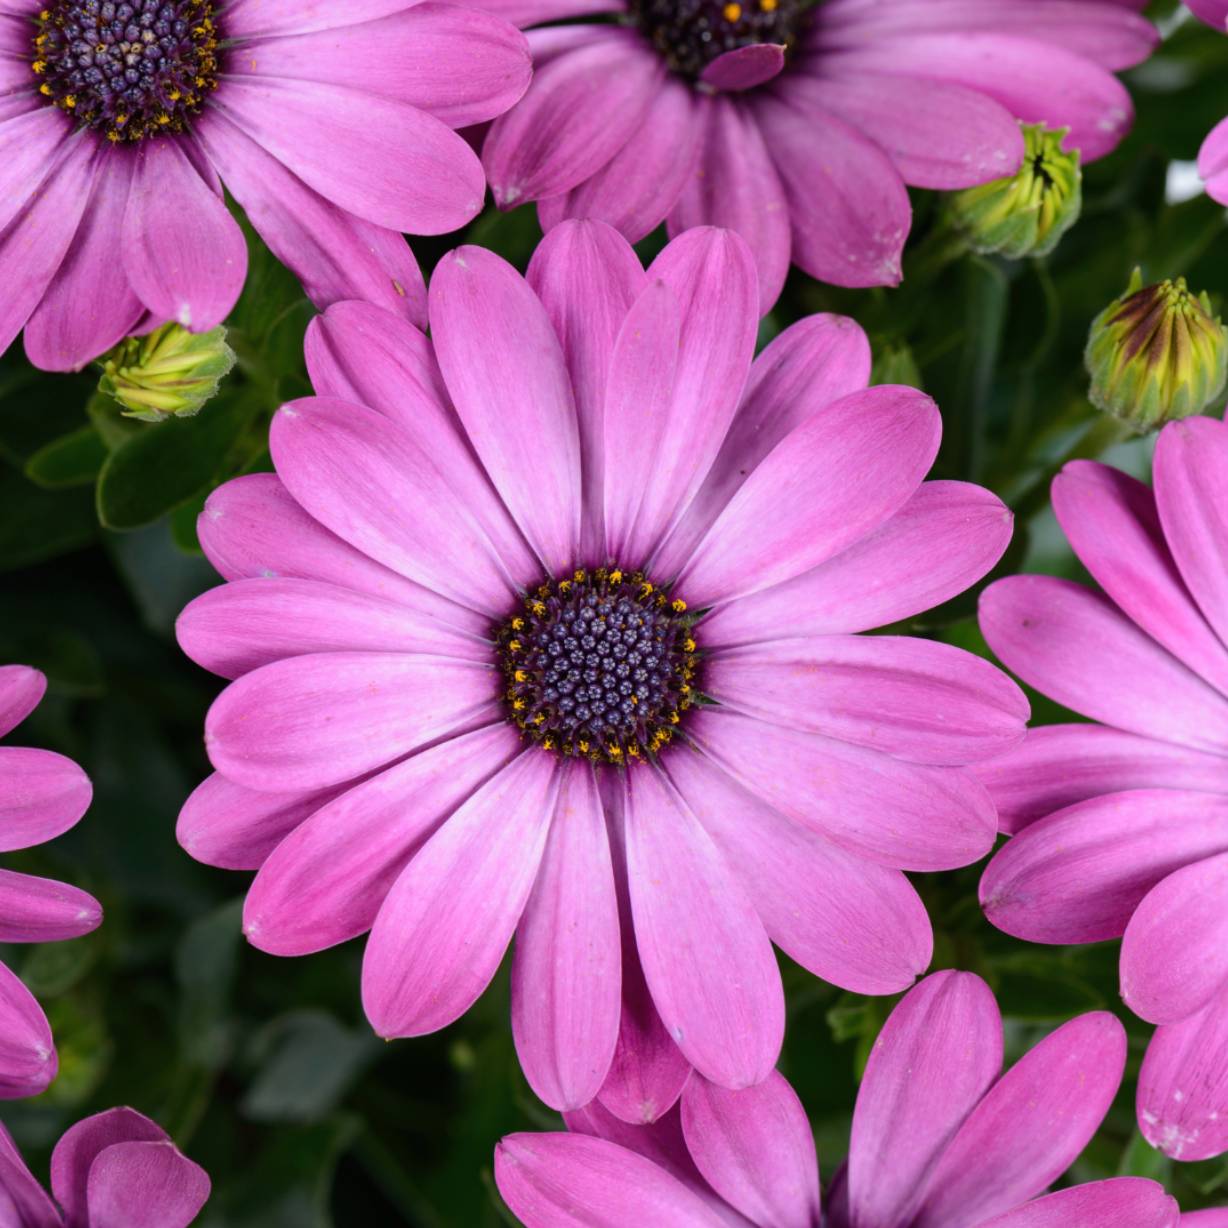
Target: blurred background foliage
264,1069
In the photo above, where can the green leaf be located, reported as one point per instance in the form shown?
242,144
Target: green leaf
38,524
205,964
71,460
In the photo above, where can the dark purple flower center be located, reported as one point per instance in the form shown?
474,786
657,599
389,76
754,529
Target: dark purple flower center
600,665
690,34
132,69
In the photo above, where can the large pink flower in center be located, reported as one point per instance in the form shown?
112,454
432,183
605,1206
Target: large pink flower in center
548,625
797,124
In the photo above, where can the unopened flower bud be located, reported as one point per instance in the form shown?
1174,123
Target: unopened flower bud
169,373
1026,213
1157,353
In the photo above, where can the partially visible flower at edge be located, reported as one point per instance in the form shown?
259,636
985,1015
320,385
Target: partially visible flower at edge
941,1138
334,133
549,625
42,795
116,1169
1213,157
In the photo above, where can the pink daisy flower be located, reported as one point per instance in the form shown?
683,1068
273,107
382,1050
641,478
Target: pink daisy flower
941,1138
1120,828
1213,157
116,1169
42,795
799,125
548,625
330,122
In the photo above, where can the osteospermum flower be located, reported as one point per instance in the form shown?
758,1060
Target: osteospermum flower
799,124
547,625
42,795
331,123
1120,828
1213,157
116,1169
940,1139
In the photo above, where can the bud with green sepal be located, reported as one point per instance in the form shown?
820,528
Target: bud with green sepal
169,373
1156,354
1026,213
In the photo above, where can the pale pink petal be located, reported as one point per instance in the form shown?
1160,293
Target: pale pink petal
1183,1086
34,141
1213,162
1174,953
247,18
1079,874
566,991
916,699
935,1058
504,369
145,1185
905,815
575,1181
1075,646
856,924
872,450
1215,1218
42,794
944,539
308,722
43,910
445,925
1096,1204
1058,765
21,691
755,1148
325,882
706,957
27,1054
1213,12
1031,1125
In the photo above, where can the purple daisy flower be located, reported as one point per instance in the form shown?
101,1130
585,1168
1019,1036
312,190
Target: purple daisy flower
42,795
1120,828
1213,157
797,124
548,625
941,1138
116,1169
331,122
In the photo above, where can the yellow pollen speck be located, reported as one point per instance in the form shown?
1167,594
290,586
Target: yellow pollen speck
174,95
164,118
688,645
45,89
731,12
518,623
40,66
547,742
614,750
578,576
520,676
582,746
70,101
564,585
633,750
677,605
513,646
768,6
517,705
646,588
539,719
616,577
538,608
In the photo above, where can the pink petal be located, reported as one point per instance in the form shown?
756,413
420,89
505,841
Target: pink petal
566,993
248,18
1213,162
335,254
381,159
1079,874
857,237
21,1193
1058,765
461,65
21,691
587,277
526,13
1073,645
145,1185
872,449
706,957
812,363
183,253
445,925
574,1181
240,626
27,1053
1031,1125
325,882
564,130
82,1144
935,1058
1112,523
1174,957
42,910
1213,12
504,368
42,794
734,184
1098,1204
904,815
384,490
745,67
944,539
223,824
1191,475
308,722
35,139
915,699
856,924
1183,1085
755,1149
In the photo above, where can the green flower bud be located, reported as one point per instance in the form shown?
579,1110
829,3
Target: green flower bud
169,373
1157,353
1026,213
